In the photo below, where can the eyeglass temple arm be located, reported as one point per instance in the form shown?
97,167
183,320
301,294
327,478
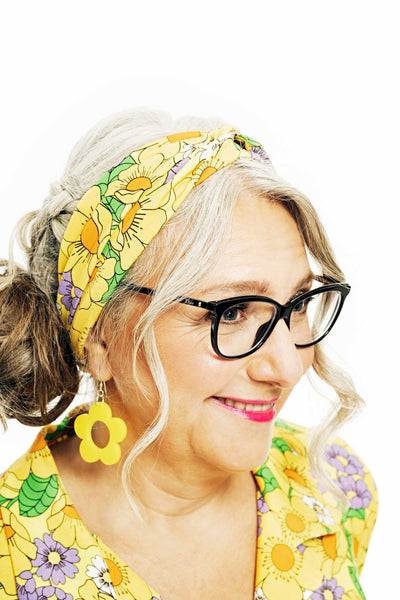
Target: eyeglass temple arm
181,299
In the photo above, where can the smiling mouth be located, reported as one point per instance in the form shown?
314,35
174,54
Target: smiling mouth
247,406
253,410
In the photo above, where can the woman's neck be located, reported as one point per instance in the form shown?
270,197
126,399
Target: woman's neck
160,490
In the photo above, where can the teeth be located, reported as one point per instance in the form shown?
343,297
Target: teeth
246,407
255,407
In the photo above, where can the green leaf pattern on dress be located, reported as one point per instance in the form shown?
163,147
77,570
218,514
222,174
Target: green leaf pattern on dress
307,545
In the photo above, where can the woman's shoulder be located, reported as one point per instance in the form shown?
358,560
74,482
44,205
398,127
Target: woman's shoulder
37,462
287,474
340,460
27,488
37,522
344,467
32,481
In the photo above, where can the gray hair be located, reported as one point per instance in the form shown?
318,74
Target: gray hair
194,238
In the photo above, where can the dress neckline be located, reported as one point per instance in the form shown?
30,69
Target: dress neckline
117,567
307,542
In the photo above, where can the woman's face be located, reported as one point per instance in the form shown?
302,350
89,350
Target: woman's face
264,255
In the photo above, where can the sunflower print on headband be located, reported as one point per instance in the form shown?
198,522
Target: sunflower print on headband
119,215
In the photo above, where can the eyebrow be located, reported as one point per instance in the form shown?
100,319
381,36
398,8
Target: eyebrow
256,287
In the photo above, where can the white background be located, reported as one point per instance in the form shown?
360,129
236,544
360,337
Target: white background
315,81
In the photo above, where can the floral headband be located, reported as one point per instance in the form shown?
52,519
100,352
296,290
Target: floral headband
119,215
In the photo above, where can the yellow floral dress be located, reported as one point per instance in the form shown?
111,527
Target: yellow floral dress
308,546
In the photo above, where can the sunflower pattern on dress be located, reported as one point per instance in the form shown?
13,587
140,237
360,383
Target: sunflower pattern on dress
118,216
308,546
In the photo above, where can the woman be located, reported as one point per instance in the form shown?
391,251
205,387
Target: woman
183,277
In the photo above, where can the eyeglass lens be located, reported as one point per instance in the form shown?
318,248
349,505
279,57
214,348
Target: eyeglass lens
243,325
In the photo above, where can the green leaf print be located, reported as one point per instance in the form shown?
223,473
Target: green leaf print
115,207
358,513
125,164
269,479
108,252
282,425
103,183
37,494
60,427
250,140
354,576
280,444
103,188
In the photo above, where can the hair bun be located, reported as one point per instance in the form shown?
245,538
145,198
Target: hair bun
36,362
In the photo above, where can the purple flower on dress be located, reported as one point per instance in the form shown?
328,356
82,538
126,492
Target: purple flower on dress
336,591
259,528
27,591
49,590
347,483
349,464
70,295
263,508
301,548
54,561
362,497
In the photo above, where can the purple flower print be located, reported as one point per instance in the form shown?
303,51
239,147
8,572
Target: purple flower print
70,295
49,590
336,591
54,561
362,497
176,168
263,508
349,464
259,528
28,590
347,483
257,153
301,548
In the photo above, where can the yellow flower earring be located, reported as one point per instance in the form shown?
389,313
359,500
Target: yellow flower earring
100,412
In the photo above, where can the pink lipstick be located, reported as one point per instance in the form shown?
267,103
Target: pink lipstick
259,411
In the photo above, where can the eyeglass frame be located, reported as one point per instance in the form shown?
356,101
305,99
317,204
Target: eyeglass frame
283,311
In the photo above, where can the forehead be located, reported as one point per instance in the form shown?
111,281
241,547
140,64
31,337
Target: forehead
264,245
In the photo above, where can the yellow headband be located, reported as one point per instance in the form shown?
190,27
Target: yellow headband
119,215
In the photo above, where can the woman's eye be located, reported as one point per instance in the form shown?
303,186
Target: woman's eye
301,307
233,313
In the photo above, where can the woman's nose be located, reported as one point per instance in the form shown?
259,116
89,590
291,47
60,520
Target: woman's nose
278,360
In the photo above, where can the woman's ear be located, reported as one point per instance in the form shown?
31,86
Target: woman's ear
97,360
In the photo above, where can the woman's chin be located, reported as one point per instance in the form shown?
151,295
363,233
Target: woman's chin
239,453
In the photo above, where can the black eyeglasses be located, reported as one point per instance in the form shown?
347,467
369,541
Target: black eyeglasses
240,325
